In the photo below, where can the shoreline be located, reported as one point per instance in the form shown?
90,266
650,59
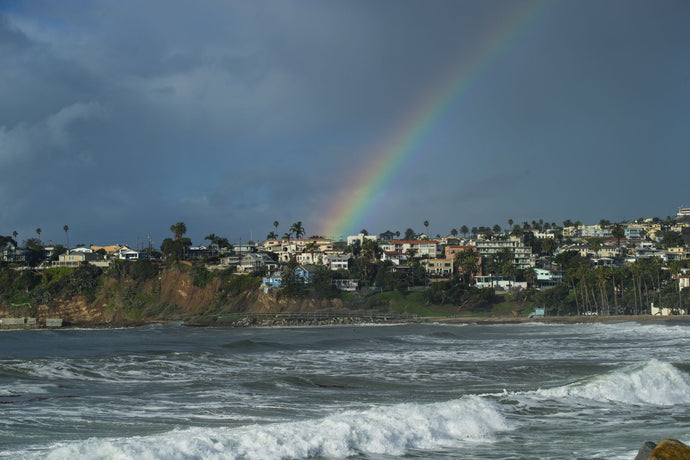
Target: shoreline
300,321
553,319
250,321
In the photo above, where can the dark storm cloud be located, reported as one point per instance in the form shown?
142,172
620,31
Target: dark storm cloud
121,118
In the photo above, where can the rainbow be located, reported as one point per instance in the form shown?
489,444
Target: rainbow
358,200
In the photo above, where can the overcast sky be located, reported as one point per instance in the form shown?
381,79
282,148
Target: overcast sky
120,118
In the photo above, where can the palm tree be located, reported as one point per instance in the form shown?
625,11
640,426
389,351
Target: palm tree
618,233
675,266
464,230
212,239
14,234
179,229
66,229
426,224
297,229
454,232
275,224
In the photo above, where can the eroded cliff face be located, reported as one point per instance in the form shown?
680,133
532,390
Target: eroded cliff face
177,288
120,302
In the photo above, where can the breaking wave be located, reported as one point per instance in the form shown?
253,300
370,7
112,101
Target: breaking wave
390,430
651,383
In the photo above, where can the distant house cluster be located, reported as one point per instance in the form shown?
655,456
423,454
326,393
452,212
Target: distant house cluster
524,248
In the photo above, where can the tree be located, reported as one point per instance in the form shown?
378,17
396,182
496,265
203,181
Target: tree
364,232
467,262
618,233
297,229
15,234
549,246
275,225
272,236
371,250
497,229
178,230
674,266
454,232
464,230
410,234
38,232
66,229
516,231
211,240
426,225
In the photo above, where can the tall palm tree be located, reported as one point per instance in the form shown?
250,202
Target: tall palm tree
454,231
66,229
38,232
275,224
212,239
426,224
464,230
179,229
297,229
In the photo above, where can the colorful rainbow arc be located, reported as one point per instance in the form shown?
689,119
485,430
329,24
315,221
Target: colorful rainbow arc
359,199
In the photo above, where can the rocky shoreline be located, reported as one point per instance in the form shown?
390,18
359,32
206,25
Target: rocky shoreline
330,319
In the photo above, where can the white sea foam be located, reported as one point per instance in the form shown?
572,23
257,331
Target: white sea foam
651,383
391,430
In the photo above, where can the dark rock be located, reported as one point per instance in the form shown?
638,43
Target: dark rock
670,449
645,451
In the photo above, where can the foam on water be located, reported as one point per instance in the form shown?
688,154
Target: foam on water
653,382
391,430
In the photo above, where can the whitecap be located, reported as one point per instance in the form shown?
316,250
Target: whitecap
387,430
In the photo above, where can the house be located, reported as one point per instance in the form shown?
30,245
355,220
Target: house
361,238
546,279
74,258
252,262
348,285
337,260
438,267
421,248
303,273
522,255
678,253
126,253
114,251
274,280
289,248
387,235
394,256
683,211
499,282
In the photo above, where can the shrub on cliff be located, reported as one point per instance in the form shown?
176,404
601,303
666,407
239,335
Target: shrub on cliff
238,284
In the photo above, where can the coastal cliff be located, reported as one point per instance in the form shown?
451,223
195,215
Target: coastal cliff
171,293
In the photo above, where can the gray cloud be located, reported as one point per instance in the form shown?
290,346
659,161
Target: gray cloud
120,118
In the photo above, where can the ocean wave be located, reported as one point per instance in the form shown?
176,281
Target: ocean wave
391,430
651,383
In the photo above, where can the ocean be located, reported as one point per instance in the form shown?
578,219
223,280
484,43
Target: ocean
411,391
